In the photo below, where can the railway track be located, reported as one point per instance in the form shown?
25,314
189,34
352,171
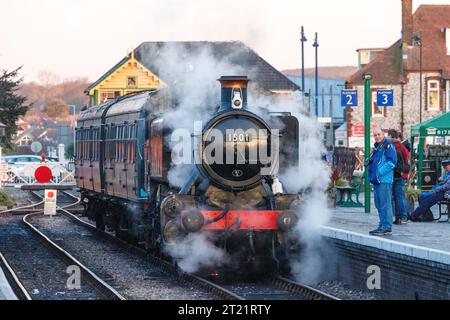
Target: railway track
275,288
40,269
16,285
23,209
43,267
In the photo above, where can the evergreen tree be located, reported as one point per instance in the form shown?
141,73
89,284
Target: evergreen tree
12,105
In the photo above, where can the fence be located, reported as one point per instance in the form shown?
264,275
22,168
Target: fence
347,160
19,174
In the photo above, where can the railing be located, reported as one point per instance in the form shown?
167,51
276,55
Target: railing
18,174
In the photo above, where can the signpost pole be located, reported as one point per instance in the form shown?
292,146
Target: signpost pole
421,158
367,111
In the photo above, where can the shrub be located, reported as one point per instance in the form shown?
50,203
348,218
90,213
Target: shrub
6,201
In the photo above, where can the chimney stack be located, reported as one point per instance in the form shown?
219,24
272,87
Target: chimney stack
234,92
407,22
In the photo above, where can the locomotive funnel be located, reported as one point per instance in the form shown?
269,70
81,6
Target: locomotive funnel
233,92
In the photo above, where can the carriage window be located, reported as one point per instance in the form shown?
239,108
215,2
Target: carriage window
91,144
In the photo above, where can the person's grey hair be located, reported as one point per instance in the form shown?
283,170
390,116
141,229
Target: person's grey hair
377,131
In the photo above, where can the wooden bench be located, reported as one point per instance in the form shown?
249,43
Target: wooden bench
442,204
347,193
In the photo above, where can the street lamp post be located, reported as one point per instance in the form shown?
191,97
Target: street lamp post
74,109
316,46
2,134
303,40
367,148
417,41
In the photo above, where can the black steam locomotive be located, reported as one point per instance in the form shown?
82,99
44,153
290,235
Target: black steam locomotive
124,155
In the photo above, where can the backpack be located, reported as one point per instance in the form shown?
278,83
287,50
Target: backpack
402,165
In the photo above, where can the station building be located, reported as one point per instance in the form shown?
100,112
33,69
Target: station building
399,66
140,70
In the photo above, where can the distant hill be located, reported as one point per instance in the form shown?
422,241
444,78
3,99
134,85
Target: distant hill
338,73
66,92
71,91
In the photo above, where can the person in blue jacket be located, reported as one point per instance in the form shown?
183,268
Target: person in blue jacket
441,191
381,175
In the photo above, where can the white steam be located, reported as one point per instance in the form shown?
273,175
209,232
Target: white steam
197,252
191,78
191,75
312,175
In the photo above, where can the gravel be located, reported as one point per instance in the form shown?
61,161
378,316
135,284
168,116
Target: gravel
131,275
41,270
344,292
21,197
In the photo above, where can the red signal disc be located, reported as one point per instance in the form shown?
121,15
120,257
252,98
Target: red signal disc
43,174
50,194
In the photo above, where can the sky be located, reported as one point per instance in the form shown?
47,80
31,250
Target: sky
84,38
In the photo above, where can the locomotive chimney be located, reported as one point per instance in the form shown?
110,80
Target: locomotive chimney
233,92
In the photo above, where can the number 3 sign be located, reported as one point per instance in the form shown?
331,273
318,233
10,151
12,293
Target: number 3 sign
385,98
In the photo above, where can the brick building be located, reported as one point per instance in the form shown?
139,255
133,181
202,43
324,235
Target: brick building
398,68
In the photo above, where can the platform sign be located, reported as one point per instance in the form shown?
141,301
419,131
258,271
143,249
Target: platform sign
385,98
349,98
50,202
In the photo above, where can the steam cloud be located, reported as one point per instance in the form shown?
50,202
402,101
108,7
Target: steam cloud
313,175
196,252
192,81
192,78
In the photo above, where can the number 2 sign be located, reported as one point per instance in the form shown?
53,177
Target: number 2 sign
385,98
349,98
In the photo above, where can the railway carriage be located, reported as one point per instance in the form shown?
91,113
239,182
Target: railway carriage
123,160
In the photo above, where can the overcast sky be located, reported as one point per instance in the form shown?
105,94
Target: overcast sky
87,37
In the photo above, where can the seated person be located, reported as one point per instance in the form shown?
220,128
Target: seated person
441,191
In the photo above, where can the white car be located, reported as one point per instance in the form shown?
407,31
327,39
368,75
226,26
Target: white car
24,165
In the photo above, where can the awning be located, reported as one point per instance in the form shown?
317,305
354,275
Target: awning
437,127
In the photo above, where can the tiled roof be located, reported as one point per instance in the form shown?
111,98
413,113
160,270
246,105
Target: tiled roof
385,68
234,52
428,21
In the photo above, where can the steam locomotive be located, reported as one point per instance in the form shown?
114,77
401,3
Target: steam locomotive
125,152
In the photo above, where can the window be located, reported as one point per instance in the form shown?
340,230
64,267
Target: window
26,141
447,40
433,95
377,112
105,96
131,82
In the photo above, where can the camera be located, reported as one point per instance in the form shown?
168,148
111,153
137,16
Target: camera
368,162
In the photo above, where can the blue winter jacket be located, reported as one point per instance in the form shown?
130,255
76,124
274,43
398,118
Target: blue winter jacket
383,162
443,186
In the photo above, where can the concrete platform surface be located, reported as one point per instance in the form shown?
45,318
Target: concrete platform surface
430,241
6,293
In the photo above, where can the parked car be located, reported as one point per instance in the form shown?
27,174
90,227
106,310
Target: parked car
24,165
26,159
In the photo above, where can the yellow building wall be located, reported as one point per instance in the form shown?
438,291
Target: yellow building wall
117,82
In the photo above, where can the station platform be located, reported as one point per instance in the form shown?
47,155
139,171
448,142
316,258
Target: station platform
6,292
429,241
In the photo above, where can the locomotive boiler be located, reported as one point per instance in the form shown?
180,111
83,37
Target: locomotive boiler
233,193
